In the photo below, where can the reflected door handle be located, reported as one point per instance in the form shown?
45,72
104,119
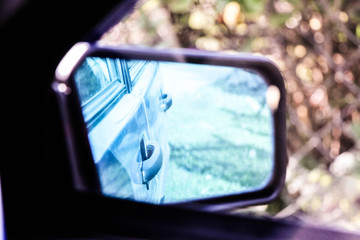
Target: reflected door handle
166,101
152,160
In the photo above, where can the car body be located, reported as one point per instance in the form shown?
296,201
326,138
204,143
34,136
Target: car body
122,102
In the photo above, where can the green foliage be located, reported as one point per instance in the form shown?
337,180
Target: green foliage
278,20
182,6
253,6
356,129
358,31
309,162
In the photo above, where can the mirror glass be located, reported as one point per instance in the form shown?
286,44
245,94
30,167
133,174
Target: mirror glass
165,132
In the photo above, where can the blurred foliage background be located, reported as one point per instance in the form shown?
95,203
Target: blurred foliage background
316,45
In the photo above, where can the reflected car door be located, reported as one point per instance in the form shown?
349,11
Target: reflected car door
146,84
124,147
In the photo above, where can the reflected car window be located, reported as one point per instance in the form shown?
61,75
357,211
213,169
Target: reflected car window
99,82
135,69
94,75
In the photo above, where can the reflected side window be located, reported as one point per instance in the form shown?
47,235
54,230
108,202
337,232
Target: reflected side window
100,83
136,69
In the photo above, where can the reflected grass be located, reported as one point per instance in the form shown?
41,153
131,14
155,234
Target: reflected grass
220,134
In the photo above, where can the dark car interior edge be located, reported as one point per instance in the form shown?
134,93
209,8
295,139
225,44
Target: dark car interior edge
39,201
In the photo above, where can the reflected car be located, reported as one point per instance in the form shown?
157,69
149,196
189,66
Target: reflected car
220,128
124,109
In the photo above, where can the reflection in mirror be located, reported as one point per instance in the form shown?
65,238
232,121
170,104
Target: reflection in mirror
163,132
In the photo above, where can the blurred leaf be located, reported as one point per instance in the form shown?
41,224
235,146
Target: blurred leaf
246,45
358,31
341,37
254,6
180,6
354,12
276,206
278,20
298,4
356,129
309,162
220,5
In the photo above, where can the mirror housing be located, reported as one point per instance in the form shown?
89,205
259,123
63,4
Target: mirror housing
84,170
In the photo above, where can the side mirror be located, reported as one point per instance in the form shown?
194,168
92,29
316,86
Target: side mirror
179,127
